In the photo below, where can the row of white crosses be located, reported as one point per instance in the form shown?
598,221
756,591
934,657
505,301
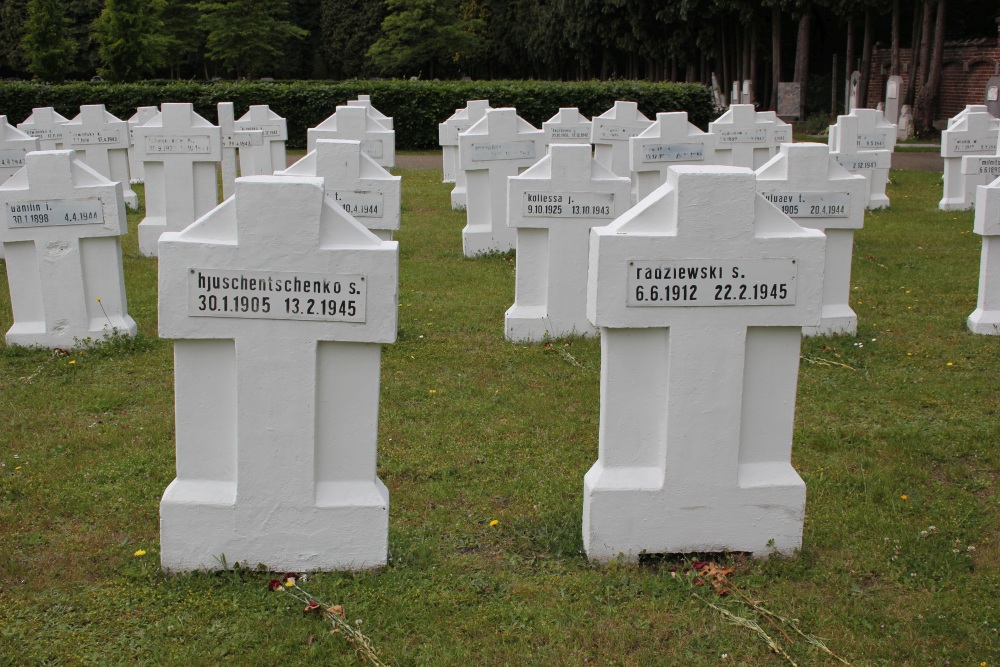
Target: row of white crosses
862,142
970,155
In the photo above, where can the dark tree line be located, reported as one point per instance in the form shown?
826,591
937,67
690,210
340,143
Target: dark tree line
764,41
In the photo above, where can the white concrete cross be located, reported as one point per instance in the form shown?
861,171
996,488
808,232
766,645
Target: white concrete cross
102,141
985,319
14,145
233,141
700,300
355,124
745,137
180,150
670,140
972,132
568,126
61,229
552,207
141,115
366,102
846,140
500,145
356,182
278,303
448,133
44,124
812,189
611,131
269,157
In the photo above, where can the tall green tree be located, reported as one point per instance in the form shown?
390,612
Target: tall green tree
247,37
131,39
47,45
349,28
429,38
13,14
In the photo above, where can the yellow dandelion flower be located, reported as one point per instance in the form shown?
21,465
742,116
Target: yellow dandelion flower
905,497
289,582
433,391
950,364
139,553
72,362
494,522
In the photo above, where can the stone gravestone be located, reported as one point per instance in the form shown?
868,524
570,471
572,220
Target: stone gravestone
846,139
180,150
852,92
904,129
366,102
141,115
734,95
265,159
893,93
745,137
278,303
993,96
568,126
552,206
448,132
354,124
610,133
671,140
61,232
701,301
14,145
355,181
102,141
985,319
812,189
974,131
44,124
233,141
746,93
789,99
500,145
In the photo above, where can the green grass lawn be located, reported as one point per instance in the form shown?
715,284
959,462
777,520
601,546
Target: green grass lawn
896,437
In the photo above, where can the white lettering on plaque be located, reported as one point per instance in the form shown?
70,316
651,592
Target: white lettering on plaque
975,144
616,133
372,148
361,203
811,204
711,282
871,141
190,145
856,161
505,150
277,295
12,157
748,136
52,212
570,133
92,137
568,204
672,152
242,140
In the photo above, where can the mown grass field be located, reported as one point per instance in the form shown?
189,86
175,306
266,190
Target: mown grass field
896,437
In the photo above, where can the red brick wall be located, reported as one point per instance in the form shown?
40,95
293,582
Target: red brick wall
968,65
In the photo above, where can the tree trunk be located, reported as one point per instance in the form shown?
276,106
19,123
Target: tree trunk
934,78
894,66
747,38
727,83
802,59
925,44
775,54
848,63
911,87
753,64
866,61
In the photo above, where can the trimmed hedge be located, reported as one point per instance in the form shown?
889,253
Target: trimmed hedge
416,106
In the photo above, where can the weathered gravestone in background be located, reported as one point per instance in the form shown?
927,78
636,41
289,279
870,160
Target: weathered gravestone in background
745,137
610,133
102,140
141,115
993,96
552,206
356,182
893,93
816,192
985,319
972,132
180,150
789,99
366,102
568,126
851,100
44,124
61,233
671,140
233,141
278,303
500,145
701,300
448,132
904,130
354,124
265,159
845,140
